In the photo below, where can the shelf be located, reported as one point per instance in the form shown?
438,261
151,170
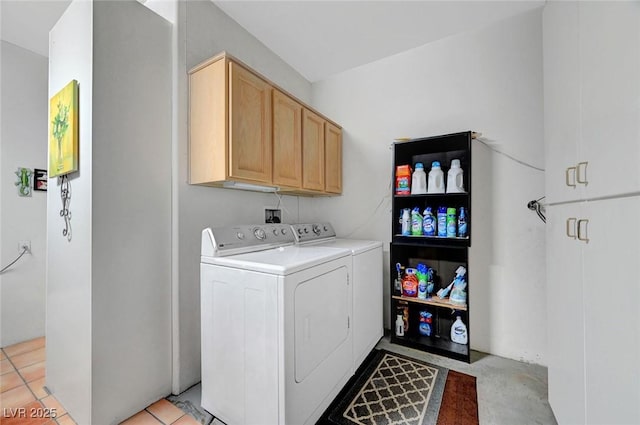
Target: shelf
442,346
435,301
433,195
456,242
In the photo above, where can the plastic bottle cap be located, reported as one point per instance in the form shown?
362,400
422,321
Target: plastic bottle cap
419,166
455,163
435,164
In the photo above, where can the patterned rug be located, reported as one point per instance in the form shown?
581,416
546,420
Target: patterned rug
392,389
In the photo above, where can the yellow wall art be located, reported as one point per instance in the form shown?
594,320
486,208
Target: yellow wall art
63,131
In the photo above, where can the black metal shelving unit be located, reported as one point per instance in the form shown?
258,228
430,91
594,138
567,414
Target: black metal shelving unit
442,254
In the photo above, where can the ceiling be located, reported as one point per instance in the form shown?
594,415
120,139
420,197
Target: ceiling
317,38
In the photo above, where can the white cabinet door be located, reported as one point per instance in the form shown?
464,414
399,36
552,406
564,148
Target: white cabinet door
610,92
561,99
565,316
612,318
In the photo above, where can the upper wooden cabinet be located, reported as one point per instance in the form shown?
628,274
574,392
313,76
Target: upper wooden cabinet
312,151
244,129
287,141
250,125
332,158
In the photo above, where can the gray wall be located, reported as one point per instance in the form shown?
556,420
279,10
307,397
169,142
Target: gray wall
109,288
23,143
487,80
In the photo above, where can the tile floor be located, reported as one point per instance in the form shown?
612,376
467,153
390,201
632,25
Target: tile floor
24,398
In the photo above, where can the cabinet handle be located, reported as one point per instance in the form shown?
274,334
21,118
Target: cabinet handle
566,177
569,226
584,239
578,173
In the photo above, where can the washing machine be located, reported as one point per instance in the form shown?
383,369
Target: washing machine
368,318
277,338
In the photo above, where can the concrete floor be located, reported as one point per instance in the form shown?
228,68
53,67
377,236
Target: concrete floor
509,392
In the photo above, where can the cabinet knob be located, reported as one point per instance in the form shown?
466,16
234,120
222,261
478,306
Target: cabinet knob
570,182
582,166
571,224
584,237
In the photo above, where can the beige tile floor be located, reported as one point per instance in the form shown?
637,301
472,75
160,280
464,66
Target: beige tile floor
24,399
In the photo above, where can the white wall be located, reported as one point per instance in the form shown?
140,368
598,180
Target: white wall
131,210
69,263
23,143
487,80
209,31
109,288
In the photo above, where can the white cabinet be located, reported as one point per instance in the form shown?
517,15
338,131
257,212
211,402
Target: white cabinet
592,151
593,264
611,271
592,99
565,319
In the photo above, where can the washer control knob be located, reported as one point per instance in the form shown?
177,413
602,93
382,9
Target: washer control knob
325,229
260,234
240,235
316,229
275,232
284,231
306,230
299,230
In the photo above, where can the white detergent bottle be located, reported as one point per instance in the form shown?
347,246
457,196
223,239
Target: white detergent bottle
459,332
436,179
419,180
454,178
399,325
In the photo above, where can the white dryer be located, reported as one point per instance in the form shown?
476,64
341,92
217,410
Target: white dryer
368,326
276,325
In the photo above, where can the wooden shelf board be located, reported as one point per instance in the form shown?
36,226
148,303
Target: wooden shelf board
432,301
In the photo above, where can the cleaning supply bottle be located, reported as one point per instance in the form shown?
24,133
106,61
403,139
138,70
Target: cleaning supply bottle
454,178
426,319
410,283
436,179
422,281
442,222
399,325
405,219
428,223
452,224
462,223
416,222
397,283
403,180
459,332
419,180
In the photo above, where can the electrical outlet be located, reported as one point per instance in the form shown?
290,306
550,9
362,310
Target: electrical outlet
272,215
24,245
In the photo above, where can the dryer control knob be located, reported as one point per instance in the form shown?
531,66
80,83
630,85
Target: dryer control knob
316,229
275,232
325,229
240,235
260,234
299,231
284,231
306,230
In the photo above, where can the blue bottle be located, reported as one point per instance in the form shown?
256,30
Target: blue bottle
462,223
442,222
428,223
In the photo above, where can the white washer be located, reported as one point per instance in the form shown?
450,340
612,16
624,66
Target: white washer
368,326
276,333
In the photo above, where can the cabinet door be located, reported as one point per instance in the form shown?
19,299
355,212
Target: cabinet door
612,318
610,69
333,158
312,151
250,126
565,316
561,99
287,140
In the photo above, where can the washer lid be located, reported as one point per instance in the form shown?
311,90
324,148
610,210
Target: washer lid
281,261
357,246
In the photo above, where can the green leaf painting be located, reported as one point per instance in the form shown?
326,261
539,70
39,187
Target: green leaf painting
63,136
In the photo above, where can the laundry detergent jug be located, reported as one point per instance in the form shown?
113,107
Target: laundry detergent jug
436,179
455,182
